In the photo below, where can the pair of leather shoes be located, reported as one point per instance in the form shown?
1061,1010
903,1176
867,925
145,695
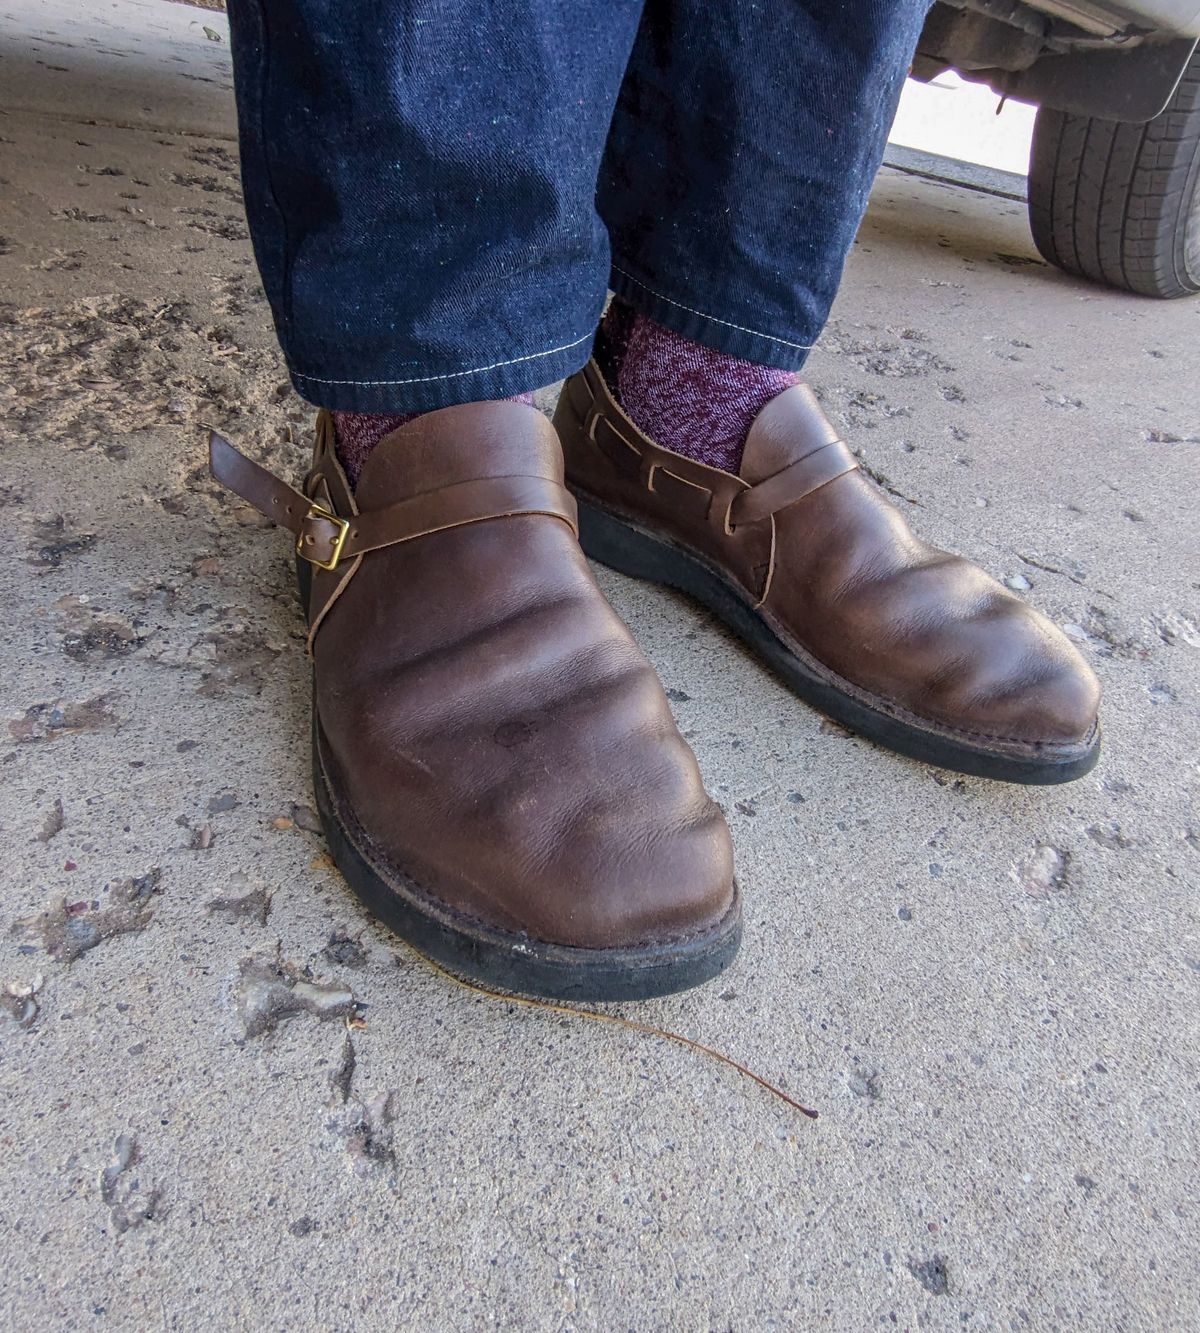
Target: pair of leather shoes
496,765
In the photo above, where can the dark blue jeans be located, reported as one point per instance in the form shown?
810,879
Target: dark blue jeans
440,191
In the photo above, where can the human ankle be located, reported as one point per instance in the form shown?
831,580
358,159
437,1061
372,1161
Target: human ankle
686,397
357,433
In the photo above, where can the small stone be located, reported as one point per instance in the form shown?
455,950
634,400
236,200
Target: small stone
1176,628
368,1127
865,1083
266,993
931,1274
18,1002
253,906
125,1156
342,951
1044,872
305,817
202,838
129,1206
1017,583
1109,835
139,889
49,721
53,824
69,930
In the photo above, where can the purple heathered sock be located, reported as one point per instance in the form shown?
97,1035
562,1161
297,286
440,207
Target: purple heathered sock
684,396
359,432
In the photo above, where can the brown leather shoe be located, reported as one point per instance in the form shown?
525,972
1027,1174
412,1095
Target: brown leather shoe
495,762
803,557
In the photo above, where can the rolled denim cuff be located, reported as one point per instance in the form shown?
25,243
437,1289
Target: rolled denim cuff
711,329
429,388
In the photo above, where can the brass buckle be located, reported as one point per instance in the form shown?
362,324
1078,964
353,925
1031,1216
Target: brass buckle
343,526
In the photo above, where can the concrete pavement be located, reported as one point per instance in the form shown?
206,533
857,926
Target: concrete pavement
230,1101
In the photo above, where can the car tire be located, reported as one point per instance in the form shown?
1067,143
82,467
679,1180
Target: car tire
1120,203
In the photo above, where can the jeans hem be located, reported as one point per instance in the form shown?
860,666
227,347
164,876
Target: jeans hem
503,377
722,335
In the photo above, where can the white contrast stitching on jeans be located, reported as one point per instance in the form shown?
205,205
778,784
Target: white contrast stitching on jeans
452,375
803,347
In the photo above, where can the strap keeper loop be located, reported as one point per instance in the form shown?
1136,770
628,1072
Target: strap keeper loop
308,538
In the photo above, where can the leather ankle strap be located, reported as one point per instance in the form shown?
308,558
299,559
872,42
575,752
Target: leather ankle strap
325,538
334,543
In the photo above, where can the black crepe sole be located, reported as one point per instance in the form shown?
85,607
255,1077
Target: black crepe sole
503,960
615,542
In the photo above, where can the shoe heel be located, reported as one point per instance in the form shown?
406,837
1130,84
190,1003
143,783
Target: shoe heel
304,581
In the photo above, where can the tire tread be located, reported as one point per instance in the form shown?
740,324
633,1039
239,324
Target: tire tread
1112,202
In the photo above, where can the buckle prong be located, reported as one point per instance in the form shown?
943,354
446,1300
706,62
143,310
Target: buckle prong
343,529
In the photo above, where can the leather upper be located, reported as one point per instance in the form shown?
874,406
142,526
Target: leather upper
489,725
835,570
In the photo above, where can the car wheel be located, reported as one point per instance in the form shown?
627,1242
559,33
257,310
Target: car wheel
1120,203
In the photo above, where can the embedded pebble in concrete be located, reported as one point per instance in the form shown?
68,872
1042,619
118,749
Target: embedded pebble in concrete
932,1274
254,904
864,1082
19,1003
1175,627
1110,835
305,817
342,951
1043,872
267,992
1011,969
53,824
54,540
131,1201
63,717
367,1126
66,931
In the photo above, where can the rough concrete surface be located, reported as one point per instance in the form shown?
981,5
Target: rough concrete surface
231,1101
